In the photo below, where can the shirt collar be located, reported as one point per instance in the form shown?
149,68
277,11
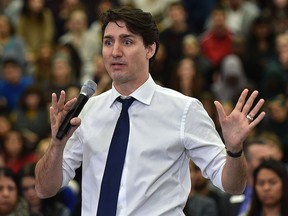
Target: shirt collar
143,94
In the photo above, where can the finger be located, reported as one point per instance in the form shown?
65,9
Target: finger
53,121
67,107
54,101
256,108
249,102
61,100
52,116
69,104
257,120
241,100
220,110
75,123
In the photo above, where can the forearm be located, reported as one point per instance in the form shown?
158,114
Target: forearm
234,176
49,174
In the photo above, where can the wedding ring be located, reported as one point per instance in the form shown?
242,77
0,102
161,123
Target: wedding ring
249,117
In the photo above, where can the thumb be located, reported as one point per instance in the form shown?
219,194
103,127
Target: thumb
75,123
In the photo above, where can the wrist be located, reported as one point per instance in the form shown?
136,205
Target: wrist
234,154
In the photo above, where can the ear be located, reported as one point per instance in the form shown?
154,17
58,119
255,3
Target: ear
151,50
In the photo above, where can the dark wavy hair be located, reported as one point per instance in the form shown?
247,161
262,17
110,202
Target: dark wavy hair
138,22
25,11
7,172
281,171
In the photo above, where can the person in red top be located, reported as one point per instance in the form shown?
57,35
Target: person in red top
14,151
216,42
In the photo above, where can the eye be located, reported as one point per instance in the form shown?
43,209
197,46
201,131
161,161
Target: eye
260,183
127,42
107,42
11,188
273,182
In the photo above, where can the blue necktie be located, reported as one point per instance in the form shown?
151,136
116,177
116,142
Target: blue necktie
107,205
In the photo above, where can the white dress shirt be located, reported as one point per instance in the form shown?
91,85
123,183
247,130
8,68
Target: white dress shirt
166,130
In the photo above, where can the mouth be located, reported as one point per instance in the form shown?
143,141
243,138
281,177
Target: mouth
117,65
267,197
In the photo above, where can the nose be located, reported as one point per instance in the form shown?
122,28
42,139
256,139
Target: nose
266,186
5,192
117,50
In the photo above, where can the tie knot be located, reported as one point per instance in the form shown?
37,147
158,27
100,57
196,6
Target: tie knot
126,103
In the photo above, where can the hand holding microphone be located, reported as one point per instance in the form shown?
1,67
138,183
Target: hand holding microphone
87,90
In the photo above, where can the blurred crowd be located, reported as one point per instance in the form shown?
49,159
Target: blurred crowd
210,50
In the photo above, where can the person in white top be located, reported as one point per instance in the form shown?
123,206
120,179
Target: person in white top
166,130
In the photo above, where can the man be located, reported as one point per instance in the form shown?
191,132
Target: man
216,41
202,187
166,130
202,199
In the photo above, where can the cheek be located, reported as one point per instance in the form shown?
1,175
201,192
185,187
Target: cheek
15,148
14,197
9,203
278,191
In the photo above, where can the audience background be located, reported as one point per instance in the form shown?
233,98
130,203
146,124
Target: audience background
209,49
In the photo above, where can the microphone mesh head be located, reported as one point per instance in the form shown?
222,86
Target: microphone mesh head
88,88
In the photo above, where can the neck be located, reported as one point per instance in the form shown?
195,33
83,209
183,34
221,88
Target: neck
127,87
272,210
203,191
35,209
250,180
220,32
62,82
186,86
180,27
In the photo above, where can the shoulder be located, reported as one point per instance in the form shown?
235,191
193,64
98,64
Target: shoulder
61,210
201,205
169,97
27,80
21,207
100,101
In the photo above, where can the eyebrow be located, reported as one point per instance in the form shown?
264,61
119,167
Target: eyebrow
122,36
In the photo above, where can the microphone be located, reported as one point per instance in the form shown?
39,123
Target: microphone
87,90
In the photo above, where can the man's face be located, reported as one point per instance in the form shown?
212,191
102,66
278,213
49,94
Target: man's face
218,20
235,3
258,153
125,56
12,73
197,179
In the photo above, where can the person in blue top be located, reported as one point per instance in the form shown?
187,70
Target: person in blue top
13,84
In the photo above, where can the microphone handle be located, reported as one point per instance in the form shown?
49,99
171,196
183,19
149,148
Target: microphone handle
73,112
